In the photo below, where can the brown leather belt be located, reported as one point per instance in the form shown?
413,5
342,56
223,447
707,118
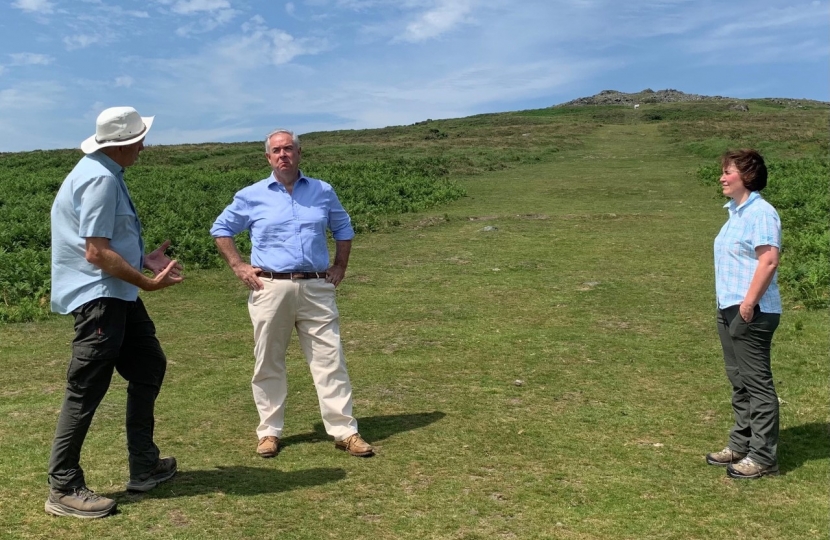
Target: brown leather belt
292,275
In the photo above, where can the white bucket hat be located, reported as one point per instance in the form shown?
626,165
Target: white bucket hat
117,126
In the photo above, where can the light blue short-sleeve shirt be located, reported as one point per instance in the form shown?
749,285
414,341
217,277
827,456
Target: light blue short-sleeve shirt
93,201
753,224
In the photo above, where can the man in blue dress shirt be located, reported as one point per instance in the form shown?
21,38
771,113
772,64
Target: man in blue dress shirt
293,286
97,269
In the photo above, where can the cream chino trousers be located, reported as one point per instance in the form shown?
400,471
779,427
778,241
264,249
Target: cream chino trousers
309,306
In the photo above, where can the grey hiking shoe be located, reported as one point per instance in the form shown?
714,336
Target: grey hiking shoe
749,468
725,457
79,502
165,470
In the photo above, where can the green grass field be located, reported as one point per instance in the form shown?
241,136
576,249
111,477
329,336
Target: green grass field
535,360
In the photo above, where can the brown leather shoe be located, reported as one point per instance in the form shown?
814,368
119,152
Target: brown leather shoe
356,446
269,446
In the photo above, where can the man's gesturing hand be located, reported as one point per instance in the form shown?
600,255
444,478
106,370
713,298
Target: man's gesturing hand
166,277
156,261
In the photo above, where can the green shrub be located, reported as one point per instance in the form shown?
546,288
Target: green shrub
178,196
24,284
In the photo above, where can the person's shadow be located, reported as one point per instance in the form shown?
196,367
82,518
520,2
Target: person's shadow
372,428
799,444
235,480
240,480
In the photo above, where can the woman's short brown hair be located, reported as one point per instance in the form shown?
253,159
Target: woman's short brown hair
750,166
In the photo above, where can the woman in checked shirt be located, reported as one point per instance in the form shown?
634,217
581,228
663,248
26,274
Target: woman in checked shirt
749,309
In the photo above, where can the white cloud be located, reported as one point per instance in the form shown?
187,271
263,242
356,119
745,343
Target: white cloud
80,41
187,7
772,19
30,96
290,8
358,5
439,20
366,5
764,36
209,14
761,50
116,11
254,23
231,76
259,44
43,7
124,81
208,23
33,117
458,92
30,59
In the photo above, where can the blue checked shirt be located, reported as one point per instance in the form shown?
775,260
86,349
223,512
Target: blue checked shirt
288,231
753,224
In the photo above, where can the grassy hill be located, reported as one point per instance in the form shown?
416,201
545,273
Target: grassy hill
534,359
383,173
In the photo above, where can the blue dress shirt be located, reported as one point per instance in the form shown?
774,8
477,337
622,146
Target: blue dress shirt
93,201
753,224
288,231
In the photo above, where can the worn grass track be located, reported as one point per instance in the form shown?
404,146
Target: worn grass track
593,287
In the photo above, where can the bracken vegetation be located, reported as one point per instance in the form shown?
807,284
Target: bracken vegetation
178,197
382,173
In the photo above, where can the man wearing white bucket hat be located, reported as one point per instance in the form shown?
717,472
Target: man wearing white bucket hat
97,270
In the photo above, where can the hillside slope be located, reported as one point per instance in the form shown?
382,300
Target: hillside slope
380,173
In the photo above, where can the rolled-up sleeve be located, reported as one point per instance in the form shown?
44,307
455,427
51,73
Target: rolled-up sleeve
234,219
339,221
766,231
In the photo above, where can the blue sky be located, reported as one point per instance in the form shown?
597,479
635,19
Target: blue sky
232,70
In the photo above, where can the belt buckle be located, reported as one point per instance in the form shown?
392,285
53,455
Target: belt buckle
297,275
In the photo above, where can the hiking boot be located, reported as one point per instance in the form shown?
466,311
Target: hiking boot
356,446
725,457
268,446
749,468
165,470
79,502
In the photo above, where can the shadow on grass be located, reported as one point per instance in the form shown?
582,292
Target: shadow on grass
799,444
372,428
234,480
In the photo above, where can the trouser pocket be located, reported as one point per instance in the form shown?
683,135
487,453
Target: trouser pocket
737,325
99,328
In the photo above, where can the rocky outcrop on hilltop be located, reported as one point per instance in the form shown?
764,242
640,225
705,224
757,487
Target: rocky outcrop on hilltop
615,97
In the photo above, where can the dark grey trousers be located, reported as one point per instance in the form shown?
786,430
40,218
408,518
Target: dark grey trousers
746,353
110,334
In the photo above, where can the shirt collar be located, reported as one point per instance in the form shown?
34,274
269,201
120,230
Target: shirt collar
107,162
733,208
273,179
